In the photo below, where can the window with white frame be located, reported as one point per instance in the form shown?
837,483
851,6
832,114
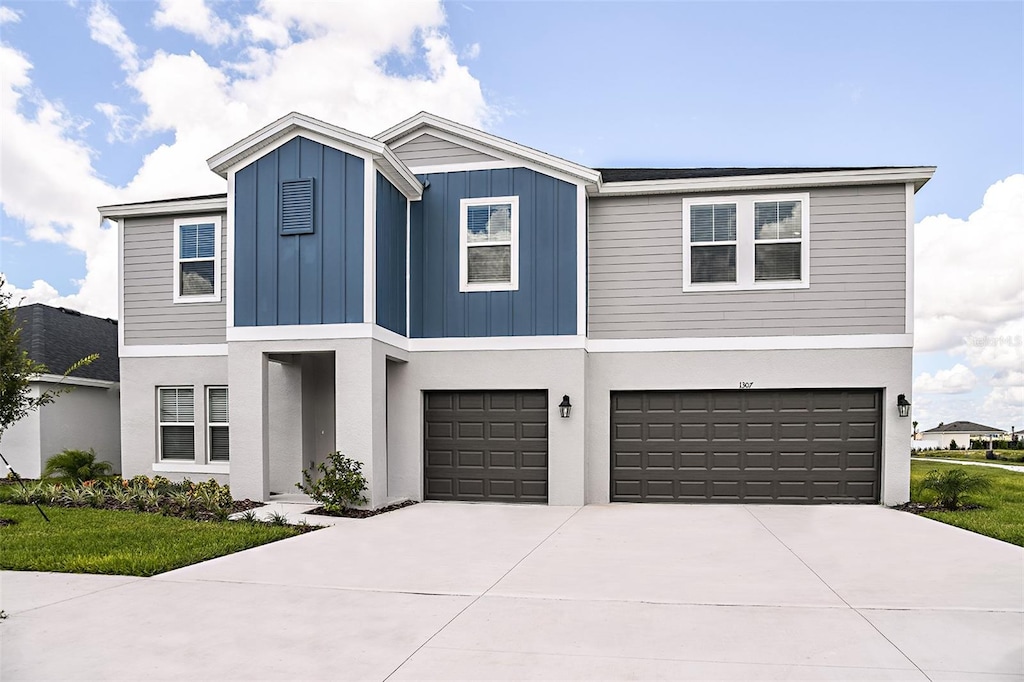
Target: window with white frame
489,244
177,426
217,423
197,260
746,242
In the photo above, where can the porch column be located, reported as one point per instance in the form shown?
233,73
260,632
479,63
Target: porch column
249,433
361,433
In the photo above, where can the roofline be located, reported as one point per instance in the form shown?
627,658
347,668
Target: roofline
74,381
919,175
213,203
393,168
423,119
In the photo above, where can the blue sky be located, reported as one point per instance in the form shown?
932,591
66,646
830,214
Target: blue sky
603,84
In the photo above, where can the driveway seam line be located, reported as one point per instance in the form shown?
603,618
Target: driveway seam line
838,596
79,596
484,593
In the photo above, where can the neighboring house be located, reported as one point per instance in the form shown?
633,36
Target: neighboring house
962,432
86,417
422,300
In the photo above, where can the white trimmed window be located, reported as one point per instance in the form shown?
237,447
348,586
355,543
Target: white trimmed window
489,244
746,242
217,423
197,260
177,426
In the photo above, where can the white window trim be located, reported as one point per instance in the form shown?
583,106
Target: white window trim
464,284
160,424
210,424
178,297
745,243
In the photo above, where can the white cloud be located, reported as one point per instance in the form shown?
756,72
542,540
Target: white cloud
1008,377
323,59
957,379
9,16
969,275
1002,348
106,30
195,18
1003,407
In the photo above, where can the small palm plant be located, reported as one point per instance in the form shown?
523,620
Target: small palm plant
78,465
951,487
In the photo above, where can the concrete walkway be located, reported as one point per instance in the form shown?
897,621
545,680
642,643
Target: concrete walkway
476,592
1009,467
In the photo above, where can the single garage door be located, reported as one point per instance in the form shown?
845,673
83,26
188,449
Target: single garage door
486,446
812,446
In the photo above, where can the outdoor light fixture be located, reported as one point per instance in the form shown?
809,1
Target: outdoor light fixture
564,407
903,405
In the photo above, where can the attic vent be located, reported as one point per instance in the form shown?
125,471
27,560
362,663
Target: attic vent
69,311
297,206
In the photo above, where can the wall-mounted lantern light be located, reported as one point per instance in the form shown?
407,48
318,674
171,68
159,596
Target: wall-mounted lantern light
565,407
903,405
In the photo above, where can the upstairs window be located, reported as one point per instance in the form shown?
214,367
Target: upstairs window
217,421
177,423
746,242
197,260
489,244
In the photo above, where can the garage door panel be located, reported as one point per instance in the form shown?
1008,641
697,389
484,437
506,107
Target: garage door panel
486,446
747,446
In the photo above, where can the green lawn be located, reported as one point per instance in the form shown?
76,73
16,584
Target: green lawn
1016,456
118,542
1002,512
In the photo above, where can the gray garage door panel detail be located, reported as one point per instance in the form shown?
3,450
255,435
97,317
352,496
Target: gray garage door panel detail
486,446
810,446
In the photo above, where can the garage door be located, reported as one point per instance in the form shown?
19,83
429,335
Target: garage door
746,446
486,446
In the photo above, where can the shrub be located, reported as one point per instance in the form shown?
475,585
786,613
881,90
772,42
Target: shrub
78,465
340,484
953,445
951,487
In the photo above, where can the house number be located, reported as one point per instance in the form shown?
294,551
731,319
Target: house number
746,384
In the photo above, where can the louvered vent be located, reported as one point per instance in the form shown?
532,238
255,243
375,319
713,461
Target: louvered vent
297,206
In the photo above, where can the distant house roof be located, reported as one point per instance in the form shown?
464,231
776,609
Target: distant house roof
642,174
59,337
964,427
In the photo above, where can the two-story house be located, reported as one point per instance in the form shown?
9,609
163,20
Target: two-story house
477,320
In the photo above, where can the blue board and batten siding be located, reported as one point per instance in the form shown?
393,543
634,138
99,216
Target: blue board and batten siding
314,278
391,262
544,304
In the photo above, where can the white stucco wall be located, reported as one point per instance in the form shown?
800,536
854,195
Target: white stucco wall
83,418
888,369
21,443
140,378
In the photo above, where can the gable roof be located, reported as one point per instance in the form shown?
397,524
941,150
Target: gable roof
267,137
60,337
642,174
430,122
964,427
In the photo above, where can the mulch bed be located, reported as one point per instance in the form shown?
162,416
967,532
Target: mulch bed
921,507
361,513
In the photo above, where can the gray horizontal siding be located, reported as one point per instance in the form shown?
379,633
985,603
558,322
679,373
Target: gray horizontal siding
857,260
427,150
150,316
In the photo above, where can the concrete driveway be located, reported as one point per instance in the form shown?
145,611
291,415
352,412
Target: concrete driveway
460,591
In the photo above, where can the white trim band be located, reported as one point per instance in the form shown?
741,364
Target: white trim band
824,342
184,350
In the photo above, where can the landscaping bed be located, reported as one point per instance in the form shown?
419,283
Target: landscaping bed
351,513
997,512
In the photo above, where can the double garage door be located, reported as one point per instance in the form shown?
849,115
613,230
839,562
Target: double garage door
666,446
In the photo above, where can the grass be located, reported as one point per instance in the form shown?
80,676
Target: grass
118,542
1015,456
1001,515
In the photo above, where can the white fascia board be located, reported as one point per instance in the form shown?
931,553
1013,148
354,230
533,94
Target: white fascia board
264,141
488,141
823,342
211,204
179,350
73,381
875,176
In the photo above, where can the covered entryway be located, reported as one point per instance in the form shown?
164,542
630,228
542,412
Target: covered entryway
486,446
791,446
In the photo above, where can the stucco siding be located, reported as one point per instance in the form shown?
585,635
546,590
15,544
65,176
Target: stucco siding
150,314
857,272
21,442
428,150
87,417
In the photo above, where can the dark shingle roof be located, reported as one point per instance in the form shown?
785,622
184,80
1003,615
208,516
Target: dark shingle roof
964,427
641,174
59,337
